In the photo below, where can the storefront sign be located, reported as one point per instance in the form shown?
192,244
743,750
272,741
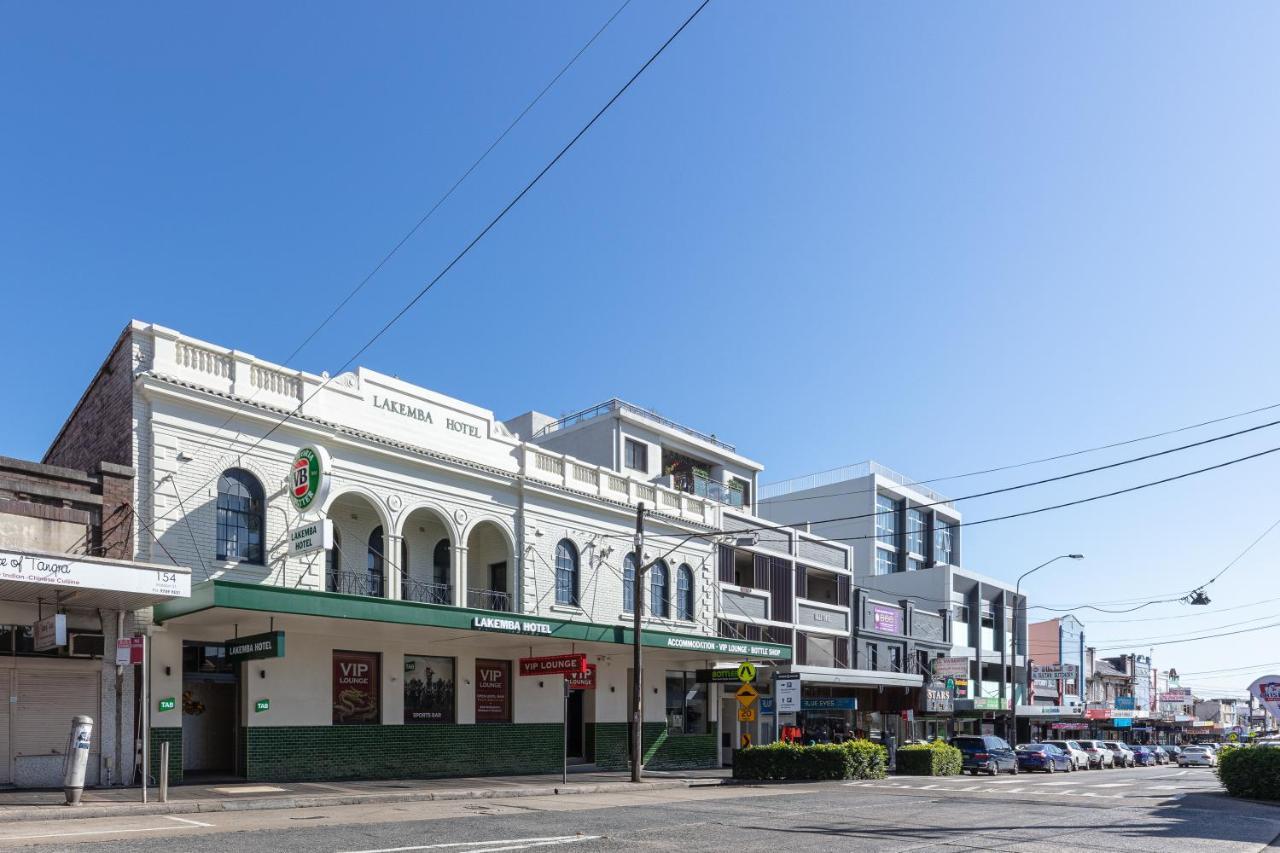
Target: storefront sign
1267,691
261,705
51,632
583,680
1125,703
1097,714
725,647
417,413
1049,710
718,676
129,650
886,619
553,665
311,537
429,689
1174,697
493,691
357,683
988,703
167,704
311,477
788,692
1122,722
937,699
65,572
1069,727
1054,672
504,625
950,667
829,703
255,647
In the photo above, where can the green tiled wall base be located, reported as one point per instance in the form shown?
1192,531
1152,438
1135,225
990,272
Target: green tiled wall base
173,735
662,751
301,753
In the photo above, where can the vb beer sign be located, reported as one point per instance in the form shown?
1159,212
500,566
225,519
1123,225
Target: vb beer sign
309,484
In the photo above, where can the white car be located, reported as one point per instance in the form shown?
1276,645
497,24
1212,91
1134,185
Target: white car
1099,756
1120,750
1197,756
1079,758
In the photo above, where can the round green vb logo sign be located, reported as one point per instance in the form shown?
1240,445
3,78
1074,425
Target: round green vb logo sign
310,477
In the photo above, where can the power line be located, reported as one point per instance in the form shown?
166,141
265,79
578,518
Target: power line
1143,640
472,243
1194,639
1044,459
1213,612
426,216
1231,669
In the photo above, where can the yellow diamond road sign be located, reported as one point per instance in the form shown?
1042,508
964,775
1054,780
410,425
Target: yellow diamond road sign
746,695
746,715
746,672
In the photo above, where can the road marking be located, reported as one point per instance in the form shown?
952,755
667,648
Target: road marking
1164,787
483,846
1056,784
184,820
1112,785
99,832
1005,782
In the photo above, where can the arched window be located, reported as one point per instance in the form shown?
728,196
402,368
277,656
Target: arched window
566,573
684,593
440,558
658,602
629,583
333,561
240,522
373,569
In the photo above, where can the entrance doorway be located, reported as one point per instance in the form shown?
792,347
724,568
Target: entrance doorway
575,716
210,715
729,729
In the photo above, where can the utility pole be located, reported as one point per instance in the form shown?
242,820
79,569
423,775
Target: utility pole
637,680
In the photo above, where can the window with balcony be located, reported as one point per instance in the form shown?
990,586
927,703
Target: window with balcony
886,562
637,456
886,520
943,540
915,531
374,563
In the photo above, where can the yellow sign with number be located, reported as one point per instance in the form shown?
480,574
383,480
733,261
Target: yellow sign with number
746,672
746,695
747,715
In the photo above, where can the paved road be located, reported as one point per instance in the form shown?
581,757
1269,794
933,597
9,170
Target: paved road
1143,809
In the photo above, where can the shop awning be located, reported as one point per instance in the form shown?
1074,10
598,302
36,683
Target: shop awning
88,582
302,602
854,677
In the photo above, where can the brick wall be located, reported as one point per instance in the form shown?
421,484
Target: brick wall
662,751
85,513
100,427
173,735
301,753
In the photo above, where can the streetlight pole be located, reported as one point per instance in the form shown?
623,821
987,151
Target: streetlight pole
1017,634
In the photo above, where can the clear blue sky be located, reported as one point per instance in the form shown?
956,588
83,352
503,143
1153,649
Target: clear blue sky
941,236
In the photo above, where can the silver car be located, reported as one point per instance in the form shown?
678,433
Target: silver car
1123,755
1079,758
1099,756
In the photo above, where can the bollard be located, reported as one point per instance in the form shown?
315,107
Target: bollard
77,759
164,771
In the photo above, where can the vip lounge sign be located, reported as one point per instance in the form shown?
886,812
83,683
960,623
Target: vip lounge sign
554,665
1267,691
309,484
356,687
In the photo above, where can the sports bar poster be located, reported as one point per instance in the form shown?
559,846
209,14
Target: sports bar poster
493,691
428,689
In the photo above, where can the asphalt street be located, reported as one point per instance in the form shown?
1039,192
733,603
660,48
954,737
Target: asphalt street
1142,809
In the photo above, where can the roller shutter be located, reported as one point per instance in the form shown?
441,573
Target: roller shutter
46,703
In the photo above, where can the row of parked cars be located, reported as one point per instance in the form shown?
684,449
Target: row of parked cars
991,755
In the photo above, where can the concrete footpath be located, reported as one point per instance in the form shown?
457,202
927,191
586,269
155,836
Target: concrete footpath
22,805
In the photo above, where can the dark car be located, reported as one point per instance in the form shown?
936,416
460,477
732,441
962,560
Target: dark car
1172,752
1144,756
985,754
1162,757
1044,756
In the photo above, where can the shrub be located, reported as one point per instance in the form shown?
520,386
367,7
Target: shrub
1252,773
928,759
869,760
792,761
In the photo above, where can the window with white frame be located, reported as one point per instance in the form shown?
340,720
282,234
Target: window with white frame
915,531
886,562
637,456
943,540
886,520
914,565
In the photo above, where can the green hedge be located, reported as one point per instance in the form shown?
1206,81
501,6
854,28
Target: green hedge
1253,773
850,760
928,759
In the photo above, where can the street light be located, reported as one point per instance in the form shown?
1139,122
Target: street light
1017,605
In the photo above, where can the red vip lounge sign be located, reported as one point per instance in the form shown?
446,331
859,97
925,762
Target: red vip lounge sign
582,680
554,665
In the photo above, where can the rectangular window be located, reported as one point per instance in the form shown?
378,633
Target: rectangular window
960,612
943,540
886,562
988,618
914,565
428,689
637,456
357,688
915,531
821,651
873,655
493,691
686,704
886,520
895,658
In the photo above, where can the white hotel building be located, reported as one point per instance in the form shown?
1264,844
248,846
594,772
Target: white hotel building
461,544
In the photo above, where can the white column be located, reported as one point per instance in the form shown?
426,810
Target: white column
459,572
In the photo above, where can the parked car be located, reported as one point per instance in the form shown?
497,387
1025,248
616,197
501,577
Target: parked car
1099,756
1162,757
985,754
1044,756
1172,751
1121,752
1198,756
1144,756
1079,758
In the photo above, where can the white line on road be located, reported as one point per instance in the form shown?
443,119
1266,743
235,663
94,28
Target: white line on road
483,846
1056,784
184,820
1112,785
99,831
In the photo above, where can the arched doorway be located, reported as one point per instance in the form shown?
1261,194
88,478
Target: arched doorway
426,573
490,583
364,553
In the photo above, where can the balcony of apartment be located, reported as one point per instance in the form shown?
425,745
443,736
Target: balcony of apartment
616,406
694,483
822,599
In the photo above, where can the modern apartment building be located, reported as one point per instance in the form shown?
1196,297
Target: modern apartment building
906,543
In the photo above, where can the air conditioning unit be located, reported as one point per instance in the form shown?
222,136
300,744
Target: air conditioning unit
86,645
